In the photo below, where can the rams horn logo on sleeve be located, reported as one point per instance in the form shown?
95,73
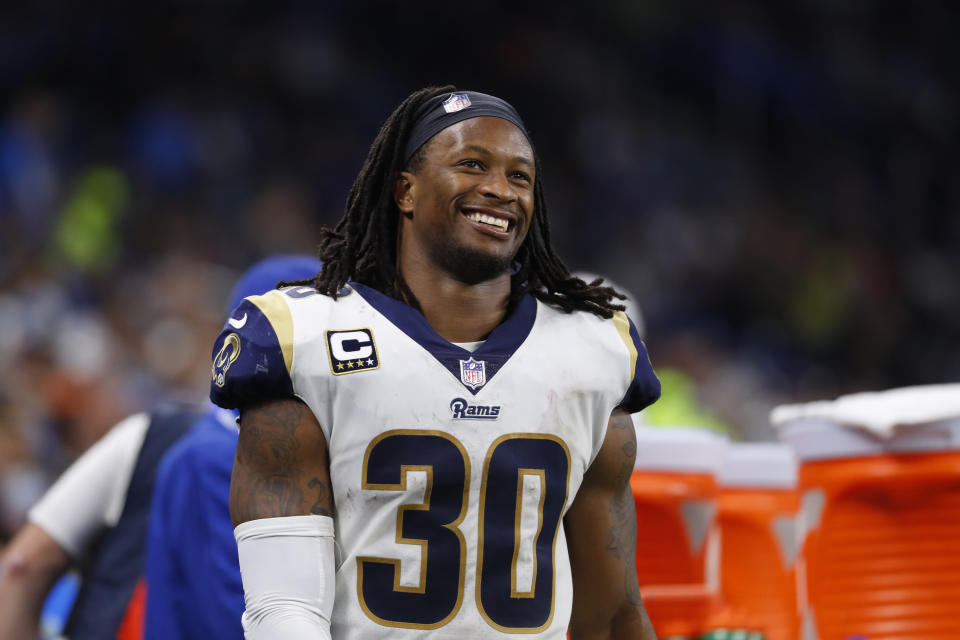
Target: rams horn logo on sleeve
351,351
227,355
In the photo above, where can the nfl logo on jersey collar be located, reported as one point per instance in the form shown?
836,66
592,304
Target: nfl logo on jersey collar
456,102
473,373
474,370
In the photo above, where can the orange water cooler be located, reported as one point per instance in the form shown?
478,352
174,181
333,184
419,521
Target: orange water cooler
675,491
880,517
757,508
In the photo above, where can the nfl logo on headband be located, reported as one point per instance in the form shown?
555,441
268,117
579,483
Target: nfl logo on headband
473,373
456,102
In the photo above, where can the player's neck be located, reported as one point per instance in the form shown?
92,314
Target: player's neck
459,312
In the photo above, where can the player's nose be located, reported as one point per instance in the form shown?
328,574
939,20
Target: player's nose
497,185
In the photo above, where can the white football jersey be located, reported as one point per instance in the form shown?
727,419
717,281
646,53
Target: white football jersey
451,470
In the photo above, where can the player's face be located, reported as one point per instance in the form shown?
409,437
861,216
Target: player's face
469,206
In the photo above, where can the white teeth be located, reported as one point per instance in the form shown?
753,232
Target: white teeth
500,223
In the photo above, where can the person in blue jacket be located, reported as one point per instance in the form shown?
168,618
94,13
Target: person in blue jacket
193,574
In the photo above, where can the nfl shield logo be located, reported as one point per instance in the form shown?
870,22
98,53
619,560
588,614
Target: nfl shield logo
473,373
456,102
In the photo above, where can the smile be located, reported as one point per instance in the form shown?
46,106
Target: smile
496,222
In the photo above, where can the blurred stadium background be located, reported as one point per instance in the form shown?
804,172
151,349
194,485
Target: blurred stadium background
779,188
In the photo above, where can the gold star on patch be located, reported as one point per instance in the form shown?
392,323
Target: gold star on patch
359,363
340,366
349,364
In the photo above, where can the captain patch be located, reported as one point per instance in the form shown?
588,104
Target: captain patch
351,350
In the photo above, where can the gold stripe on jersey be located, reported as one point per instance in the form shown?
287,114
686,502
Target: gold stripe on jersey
275,308
622,323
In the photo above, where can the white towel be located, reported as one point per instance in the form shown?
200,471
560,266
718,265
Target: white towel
879,412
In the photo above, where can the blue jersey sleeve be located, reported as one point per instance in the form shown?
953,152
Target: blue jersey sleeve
252,355
644,388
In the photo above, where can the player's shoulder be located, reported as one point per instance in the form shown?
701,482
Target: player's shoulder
606,344
253,355
595,331
294,307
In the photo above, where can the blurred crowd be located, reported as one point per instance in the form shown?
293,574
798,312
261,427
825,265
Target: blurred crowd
778,189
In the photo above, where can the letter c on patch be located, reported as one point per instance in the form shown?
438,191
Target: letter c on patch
348,345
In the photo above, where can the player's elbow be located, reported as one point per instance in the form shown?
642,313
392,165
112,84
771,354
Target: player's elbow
603,624
286,617
30,572
23,585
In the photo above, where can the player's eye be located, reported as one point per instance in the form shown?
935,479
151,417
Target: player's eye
472,164
520,175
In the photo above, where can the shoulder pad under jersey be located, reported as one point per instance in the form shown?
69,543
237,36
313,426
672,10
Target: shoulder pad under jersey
253,353
644,387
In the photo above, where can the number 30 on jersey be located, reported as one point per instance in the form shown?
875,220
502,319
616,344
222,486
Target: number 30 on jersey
523,491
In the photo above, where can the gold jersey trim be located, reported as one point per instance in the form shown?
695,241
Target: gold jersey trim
275,308
622,323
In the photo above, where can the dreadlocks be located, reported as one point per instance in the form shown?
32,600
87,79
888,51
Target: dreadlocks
363,244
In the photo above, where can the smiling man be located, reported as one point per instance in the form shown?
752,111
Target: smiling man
435,437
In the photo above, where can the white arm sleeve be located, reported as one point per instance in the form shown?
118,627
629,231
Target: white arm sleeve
90,494
288,571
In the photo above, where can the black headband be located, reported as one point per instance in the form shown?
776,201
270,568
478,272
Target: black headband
440,112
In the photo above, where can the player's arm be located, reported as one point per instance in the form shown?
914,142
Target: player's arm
88,497
28,569
601,528
281,504
281,464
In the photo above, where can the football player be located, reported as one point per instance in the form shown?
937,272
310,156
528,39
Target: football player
435,436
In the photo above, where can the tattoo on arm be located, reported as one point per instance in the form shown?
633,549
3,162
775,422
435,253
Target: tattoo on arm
323,497
622,537
268,479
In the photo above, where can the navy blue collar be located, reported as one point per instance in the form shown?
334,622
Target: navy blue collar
473,369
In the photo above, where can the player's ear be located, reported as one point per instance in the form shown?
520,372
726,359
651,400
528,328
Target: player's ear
404,192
